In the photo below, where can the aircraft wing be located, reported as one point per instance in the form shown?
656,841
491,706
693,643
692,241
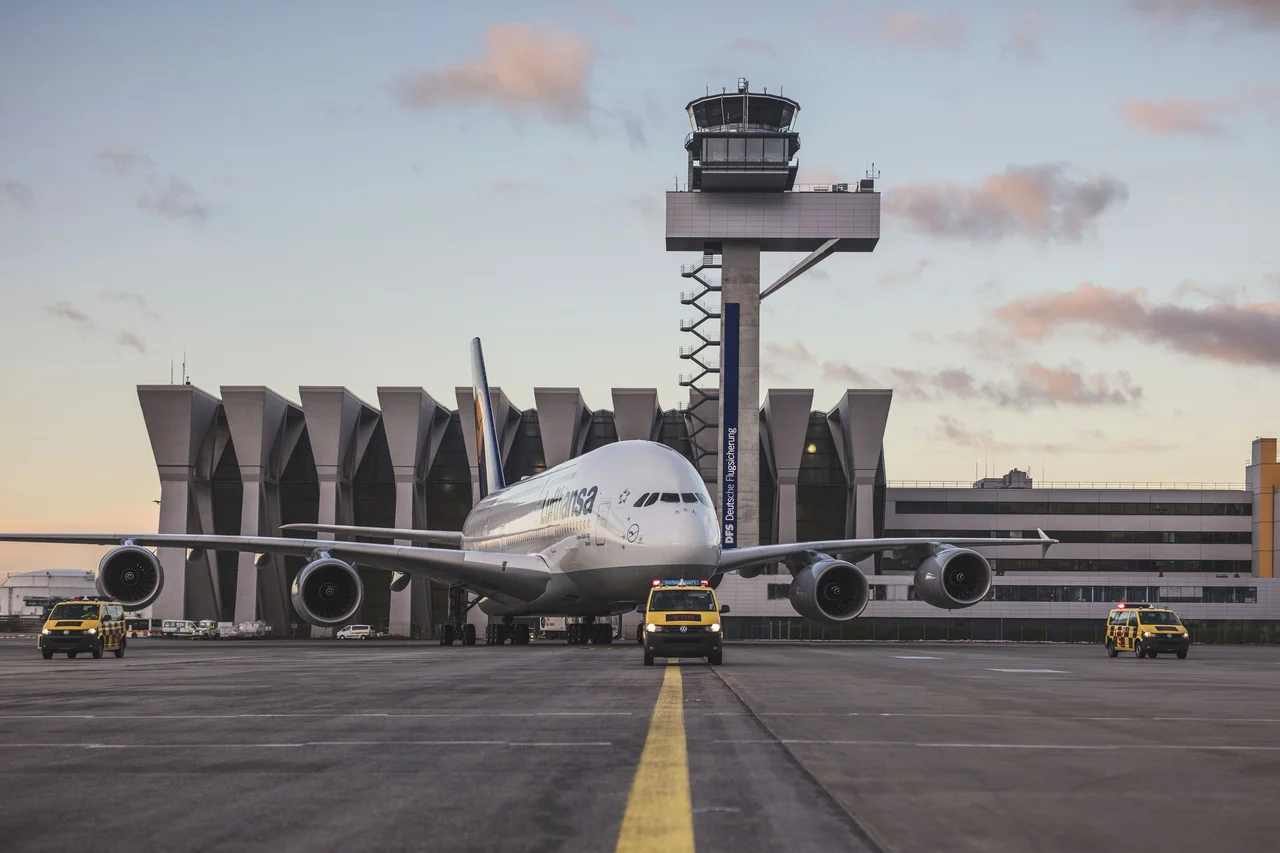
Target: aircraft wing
522,577
439,537
855,549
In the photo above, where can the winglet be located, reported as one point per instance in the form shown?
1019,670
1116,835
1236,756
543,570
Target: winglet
488,457
1045,543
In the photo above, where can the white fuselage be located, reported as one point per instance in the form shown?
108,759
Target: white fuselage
603,550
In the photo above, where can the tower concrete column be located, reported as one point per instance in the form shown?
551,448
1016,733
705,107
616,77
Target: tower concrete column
258,418
739,478
340,426
415,425
180,422
857,425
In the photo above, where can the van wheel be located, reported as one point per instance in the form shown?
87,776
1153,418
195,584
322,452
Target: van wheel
716,658
120,651
1182,655
648,659
1111,650
97,650
72,655
46,654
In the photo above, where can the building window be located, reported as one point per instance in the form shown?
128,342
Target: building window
779,591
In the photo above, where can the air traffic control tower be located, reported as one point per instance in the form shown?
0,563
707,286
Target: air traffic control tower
742,199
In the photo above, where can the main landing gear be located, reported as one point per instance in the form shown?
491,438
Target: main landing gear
497,635
458,628
589,631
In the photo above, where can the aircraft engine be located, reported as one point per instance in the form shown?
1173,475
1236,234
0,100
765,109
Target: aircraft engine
953,578
131,575
829,591
327,592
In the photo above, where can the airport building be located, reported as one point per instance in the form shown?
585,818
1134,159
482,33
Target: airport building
249,460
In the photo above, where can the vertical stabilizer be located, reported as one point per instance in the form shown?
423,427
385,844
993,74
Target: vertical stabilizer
490,460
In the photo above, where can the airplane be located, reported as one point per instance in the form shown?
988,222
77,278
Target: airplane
586,538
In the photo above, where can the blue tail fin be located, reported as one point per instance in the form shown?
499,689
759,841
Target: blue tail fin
490,460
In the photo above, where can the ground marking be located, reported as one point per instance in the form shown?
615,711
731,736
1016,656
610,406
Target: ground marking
304,744
917,657
659,815
377,714
1058,671
1065,746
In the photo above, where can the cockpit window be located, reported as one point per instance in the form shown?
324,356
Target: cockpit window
640,500
689,497
670,498
653,499
706,500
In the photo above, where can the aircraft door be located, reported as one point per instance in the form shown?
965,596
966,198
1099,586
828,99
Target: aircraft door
602,519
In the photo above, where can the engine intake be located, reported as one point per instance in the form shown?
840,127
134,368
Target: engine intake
829,592
131,575
953,578
327,592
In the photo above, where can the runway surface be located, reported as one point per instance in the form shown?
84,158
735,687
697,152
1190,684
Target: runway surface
187,745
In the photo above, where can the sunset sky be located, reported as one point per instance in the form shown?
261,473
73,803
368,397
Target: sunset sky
1079,268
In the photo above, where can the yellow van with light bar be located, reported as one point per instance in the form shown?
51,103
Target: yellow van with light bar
682,620
1146,630
93,625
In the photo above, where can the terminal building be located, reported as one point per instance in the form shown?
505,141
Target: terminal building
249,460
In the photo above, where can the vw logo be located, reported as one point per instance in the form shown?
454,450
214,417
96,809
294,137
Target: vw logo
684,629
66,632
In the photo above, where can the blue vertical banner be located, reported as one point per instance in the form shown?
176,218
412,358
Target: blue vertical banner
729,427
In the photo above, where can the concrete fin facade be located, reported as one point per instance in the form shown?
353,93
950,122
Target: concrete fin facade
1262,479
415,424
785,420
857,426
340,426
265,429
507,426
637,414
181,421
563,420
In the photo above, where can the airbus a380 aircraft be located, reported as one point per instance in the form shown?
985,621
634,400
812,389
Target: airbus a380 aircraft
585,538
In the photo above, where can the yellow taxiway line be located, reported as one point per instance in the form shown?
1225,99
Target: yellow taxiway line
659,814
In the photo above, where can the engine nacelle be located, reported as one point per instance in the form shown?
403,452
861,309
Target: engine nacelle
327,592
131,575
953,578
829,592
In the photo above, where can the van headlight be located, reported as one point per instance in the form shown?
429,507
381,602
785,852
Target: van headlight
1146,634
651,628
1185,634
715,626
45,631
92,631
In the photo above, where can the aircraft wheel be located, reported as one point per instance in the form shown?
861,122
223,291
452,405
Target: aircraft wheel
469,635
446,635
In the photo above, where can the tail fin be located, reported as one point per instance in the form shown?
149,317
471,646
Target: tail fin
490,460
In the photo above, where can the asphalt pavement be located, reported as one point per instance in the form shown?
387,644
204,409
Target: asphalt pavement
383,745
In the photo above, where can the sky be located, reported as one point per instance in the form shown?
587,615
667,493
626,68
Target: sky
1078,271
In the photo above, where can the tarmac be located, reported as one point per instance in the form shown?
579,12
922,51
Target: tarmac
386,745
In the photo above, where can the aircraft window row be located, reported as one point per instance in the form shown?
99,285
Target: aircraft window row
975,507
651,498
1140,537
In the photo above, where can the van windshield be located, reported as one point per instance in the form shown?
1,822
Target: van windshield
79,612
1159,617
683,599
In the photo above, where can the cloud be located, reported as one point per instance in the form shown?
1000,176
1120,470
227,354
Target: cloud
759,47
136,300
897,278
523,68
1196,117
1249,15
1214,293
131,341
1023,43
21,195
176,200
67,311
912,29
1041,201
1235,334
1032,386
954,431
123,160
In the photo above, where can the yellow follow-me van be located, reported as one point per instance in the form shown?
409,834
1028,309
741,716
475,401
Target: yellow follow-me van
1146,630
94,625
682,620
